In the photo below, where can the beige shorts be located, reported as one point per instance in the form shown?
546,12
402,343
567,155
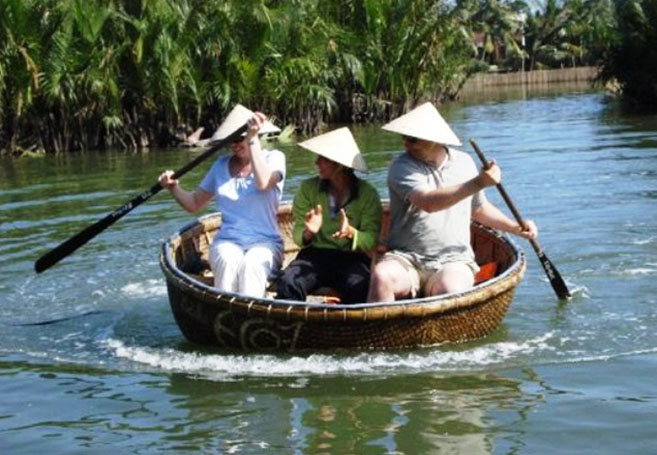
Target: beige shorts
422,271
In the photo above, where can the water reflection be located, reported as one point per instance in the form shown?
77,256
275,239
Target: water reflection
470,414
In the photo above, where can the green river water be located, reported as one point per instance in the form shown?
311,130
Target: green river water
112,374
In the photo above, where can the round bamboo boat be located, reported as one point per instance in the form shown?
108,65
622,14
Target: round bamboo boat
208,316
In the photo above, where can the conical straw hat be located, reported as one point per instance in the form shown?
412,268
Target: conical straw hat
238,117
424,122
339,146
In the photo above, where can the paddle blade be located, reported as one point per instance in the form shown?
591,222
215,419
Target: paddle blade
557,283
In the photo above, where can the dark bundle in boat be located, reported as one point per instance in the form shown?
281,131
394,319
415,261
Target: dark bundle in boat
208,316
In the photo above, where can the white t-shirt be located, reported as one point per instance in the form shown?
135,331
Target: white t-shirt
248,214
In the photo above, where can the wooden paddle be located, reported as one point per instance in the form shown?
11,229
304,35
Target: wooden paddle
69,246
553,275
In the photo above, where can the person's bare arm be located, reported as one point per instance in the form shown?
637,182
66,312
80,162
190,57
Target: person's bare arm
265,177
442,198
192,201
491,216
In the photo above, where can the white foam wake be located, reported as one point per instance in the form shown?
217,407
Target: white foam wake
500,354
150,288
636,271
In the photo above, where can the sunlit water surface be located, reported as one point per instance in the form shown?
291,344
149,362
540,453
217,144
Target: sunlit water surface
92,361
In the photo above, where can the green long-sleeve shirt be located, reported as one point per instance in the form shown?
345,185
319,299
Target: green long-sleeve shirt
363,212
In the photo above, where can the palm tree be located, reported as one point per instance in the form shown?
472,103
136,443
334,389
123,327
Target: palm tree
76,74
565,31
408,49
23,27
495,28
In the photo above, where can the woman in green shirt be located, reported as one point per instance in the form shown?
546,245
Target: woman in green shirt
337,218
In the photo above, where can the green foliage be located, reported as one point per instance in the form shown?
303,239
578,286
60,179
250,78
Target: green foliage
496,28
86,74
631,58
538,34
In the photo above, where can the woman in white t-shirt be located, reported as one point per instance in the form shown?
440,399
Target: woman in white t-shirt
247,186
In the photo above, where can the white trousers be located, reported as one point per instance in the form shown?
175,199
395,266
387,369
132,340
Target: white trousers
246,271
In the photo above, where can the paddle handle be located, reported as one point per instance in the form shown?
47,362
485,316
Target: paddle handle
215,145
556,281
67,248
505,195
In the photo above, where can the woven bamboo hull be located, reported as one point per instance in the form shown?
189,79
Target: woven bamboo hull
207,316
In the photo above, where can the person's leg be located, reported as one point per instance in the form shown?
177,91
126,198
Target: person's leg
299,278
257,265
452,277
391,279
350,276
225,260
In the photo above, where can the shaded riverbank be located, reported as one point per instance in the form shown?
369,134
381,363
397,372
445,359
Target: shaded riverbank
131,75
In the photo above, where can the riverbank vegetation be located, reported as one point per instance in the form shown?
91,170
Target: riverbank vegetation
631,55
85,74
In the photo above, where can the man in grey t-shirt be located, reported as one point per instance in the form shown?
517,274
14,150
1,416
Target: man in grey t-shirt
435,191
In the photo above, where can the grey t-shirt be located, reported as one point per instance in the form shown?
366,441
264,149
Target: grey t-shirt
443,235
